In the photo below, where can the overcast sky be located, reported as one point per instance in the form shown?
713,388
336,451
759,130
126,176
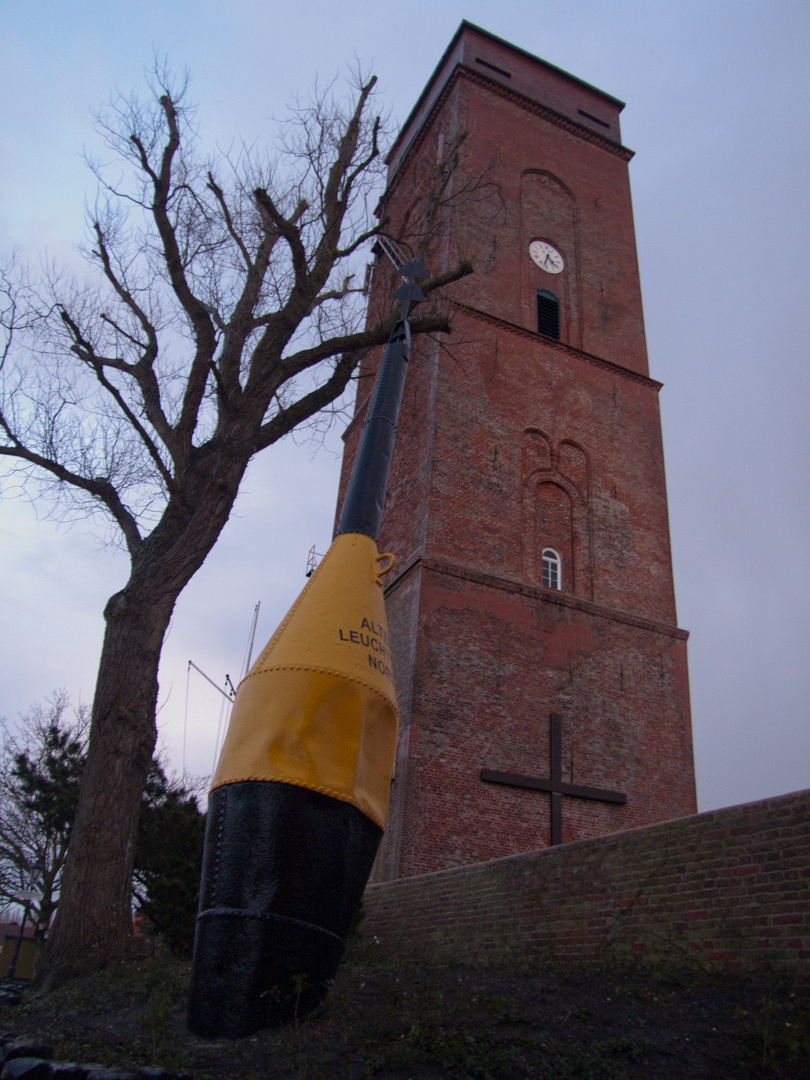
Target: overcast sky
718,112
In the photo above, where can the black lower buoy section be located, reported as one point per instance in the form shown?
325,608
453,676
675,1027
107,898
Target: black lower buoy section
285,865
283,876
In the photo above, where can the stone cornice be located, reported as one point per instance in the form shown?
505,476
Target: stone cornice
530,335
535,592
564,122
561,346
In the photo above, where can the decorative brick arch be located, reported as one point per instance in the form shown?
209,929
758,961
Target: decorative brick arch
538,449
556,509
548,211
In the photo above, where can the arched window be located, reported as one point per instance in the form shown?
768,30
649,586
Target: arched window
552,569
548,314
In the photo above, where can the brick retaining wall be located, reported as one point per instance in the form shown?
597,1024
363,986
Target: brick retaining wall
729,888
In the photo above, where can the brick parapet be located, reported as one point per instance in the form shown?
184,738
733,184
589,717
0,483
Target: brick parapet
399,158
726,889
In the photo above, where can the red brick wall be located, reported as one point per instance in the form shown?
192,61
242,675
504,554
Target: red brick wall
492,661
728,889
508,442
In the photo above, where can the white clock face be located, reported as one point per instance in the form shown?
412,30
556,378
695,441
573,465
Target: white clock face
546,256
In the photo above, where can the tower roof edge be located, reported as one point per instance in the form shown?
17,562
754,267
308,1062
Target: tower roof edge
529,75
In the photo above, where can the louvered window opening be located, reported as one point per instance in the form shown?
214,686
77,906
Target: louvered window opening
548,314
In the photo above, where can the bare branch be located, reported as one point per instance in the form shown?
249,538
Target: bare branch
195,309
430,285
287,419
84,349
363,238
99,488
219,195
286,228
336,294
150,349
306,358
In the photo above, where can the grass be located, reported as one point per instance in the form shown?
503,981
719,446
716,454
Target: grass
388,1023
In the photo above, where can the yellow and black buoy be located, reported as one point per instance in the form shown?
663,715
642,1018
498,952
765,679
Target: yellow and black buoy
299,799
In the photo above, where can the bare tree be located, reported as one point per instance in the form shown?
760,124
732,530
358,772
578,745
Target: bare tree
221,313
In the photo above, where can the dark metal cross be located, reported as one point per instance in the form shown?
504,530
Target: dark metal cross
554,785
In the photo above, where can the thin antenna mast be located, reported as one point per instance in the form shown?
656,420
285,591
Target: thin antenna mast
249,654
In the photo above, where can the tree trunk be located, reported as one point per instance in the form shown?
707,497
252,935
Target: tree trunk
93,924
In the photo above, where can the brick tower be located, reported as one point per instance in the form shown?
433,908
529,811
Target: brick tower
541,675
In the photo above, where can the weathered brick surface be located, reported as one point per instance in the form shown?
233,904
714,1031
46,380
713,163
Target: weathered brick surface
509,442
727,889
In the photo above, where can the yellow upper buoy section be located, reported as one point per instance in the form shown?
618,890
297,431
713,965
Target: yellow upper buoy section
318,708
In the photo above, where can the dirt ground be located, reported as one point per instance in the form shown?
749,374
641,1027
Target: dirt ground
389,1023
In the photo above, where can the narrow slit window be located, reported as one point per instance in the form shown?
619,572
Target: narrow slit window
552,569
492,67
596,120
548,314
